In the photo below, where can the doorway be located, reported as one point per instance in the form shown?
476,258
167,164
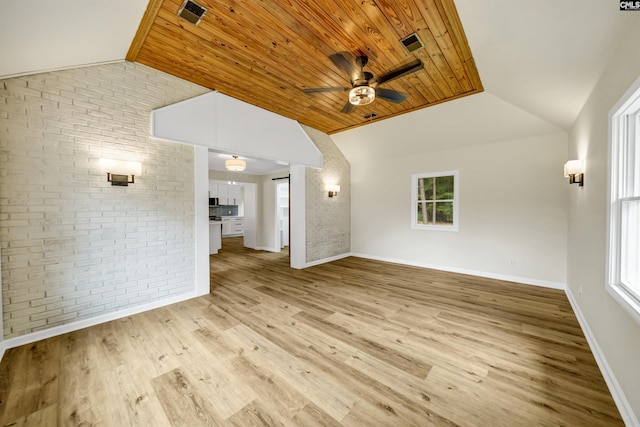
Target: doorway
282,214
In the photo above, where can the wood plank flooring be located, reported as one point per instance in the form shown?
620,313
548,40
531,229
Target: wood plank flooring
354,342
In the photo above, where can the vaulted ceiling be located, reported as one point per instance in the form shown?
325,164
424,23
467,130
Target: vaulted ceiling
267,52
542,57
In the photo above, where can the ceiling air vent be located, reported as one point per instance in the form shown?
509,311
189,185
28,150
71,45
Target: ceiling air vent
412,43
192,12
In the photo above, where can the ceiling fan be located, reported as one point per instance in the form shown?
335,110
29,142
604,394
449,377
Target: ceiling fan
364,86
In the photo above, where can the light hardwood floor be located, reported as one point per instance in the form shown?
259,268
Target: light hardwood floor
353,342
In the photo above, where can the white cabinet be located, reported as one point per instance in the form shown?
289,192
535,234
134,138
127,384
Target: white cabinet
235,192
223,194
228,194
213,189
232,226
226,226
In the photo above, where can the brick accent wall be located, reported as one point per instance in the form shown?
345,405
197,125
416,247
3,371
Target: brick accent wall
73,246
328,219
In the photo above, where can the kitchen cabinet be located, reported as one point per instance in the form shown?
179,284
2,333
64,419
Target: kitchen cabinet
232,226
223,194
228,194
235,192
213,189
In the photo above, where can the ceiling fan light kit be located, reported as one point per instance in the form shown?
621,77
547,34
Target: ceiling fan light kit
362,95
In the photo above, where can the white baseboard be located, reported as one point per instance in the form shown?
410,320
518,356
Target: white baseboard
81,324
626,412
325,260
264,248
517,279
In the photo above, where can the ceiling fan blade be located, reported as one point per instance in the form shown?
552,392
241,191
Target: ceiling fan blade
362,61
412,67
390,95
348,107
325,89
347,63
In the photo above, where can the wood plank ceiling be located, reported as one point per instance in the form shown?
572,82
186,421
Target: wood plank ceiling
266,52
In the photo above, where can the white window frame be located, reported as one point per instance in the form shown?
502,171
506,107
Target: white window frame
414,201
624,140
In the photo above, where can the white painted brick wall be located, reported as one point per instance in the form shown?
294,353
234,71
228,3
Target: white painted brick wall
328,220
72,245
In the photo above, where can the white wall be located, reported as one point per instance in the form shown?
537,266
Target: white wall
233,176
513,209
616,333
218,121
74,247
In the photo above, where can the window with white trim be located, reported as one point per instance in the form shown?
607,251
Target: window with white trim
434,201
623,275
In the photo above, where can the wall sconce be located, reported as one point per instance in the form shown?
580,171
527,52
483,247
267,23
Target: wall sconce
120,172
333,190
574,170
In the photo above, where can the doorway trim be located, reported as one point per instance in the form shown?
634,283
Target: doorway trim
297,216
201,196
279,218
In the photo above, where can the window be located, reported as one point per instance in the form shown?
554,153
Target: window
623,275
434,201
